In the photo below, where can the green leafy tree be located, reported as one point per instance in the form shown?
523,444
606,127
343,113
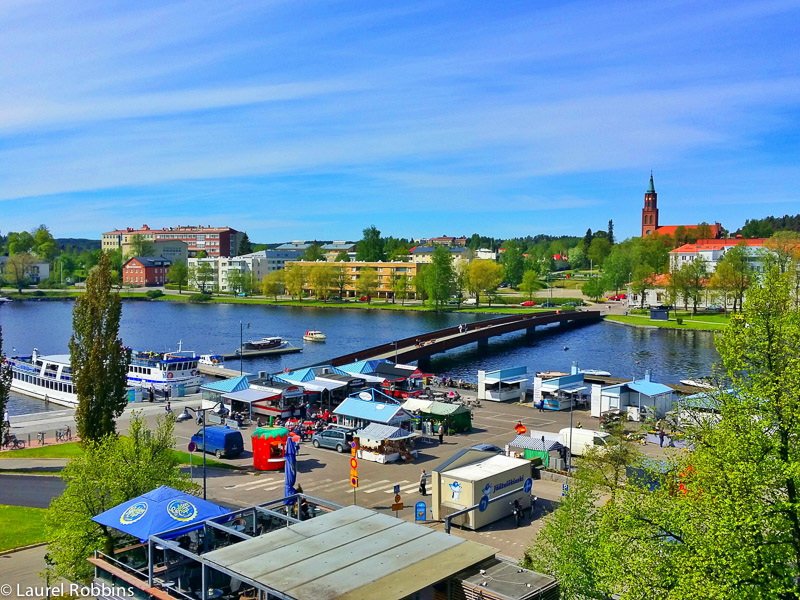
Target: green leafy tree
371,246
141,246
483,276
17,242
273,284
178,274
577,257
109,471
513,262
740,274
295,278
367,283
201,254
236,280
340,278
611,232
598,250
314,253
617,269
587,239
245,247
643,280
694,274
44,245
460,279
396,250
703,231
321,279
98,358
343,256
440,277
530,284
18,269
401,287
783,247
594,288
474,242
420,281
203,275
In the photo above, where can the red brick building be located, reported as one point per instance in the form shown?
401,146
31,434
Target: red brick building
650,222
145,270
214,241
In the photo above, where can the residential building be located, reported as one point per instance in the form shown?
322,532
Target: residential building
174,250
333,250
485,254
446,240
388,273
37,272
297,246
650,222
254,265
214,241
424,254
145,270
713,251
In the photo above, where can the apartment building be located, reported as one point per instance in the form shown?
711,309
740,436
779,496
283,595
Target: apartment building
388,273
713,251
424,254
214,241
145,270
254,265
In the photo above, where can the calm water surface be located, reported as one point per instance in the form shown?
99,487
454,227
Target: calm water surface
624,351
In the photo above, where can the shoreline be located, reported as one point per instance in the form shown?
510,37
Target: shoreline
672,327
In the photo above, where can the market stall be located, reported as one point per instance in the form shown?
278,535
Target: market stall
269,445
457,418
385,443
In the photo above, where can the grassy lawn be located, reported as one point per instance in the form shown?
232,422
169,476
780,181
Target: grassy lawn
72,449
22,526
696,324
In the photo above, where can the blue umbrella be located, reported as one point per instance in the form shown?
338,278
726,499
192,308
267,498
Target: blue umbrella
159,510
291,469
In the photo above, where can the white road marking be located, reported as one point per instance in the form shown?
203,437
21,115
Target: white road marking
252,486
391,490
372,486
404,490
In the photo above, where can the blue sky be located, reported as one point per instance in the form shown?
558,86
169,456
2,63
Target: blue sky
295,119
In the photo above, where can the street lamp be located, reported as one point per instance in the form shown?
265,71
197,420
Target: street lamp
241,345
186,416
395,352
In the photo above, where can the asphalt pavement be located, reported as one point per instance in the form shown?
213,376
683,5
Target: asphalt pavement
34,491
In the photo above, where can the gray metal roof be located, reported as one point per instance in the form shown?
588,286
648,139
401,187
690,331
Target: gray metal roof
535,443
349,553
376,431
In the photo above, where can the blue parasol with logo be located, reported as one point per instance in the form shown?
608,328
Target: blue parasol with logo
290,455
157,511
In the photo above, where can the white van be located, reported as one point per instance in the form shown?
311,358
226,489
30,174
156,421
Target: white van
469,302
582,439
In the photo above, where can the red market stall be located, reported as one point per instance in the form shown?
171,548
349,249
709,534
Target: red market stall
269,444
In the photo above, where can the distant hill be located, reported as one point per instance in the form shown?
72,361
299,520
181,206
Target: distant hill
79,243
760,228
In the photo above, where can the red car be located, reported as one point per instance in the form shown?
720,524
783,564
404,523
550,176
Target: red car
528,303
364,299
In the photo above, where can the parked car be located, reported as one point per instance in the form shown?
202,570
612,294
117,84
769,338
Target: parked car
548,305
528,303
364,299
714,308
569,304
470,302
336,438
221,441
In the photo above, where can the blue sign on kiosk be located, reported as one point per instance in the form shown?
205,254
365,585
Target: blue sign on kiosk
484,503
420,511
528,486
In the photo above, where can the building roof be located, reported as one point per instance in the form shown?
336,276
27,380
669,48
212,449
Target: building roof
149,261
350,553
432,407
339,246
651,189
249,395
430,249
494,465
361,367
394,372
233,384
719,244
716,229
535,443
506,580
296,246
376,431
370,411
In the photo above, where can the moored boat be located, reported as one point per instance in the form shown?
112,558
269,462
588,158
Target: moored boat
314,336
265,343
47,377
212,360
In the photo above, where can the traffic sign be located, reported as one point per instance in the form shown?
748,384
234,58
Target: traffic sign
483,503
353,463
353,445
352,452
397,506
192,446
564,487
528,486
354,482
397,488
397,498
353,472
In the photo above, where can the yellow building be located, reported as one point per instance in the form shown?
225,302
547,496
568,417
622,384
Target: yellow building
388,273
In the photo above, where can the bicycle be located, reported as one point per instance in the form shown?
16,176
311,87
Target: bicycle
40,438
14,444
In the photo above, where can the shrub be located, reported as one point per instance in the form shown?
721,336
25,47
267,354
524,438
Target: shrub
679,320
153,294
200,298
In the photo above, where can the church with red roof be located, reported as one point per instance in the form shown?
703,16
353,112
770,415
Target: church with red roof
650,222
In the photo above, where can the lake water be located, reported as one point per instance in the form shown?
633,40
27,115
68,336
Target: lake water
215,328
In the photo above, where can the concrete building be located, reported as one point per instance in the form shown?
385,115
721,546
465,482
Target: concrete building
713,251
214,241
485,254
388,273
424,254
174,250
145,270
254,265
638,398
37,272
333,249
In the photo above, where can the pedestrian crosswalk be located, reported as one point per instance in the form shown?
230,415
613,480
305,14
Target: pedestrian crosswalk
327,486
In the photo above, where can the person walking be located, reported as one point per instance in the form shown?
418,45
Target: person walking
540,406
661,437
422,483
441,433
152,393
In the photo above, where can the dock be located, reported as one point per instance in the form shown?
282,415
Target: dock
257,353
221,372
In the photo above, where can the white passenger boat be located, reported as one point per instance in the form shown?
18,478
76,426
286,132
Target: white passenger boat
314,336
49,377
212,360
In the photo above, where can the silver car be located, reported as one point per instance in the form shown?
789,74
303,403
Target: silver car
335,438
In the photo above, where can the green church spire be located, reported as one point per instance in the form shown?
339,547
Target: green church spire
652,187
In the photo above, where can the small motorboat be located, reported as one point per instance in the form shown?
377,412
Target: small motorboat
4,300
596,372
314,336
265,343
212,360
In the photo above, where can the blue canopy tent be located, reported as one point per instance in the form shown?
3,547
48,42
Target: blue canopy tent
157,511
290,454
